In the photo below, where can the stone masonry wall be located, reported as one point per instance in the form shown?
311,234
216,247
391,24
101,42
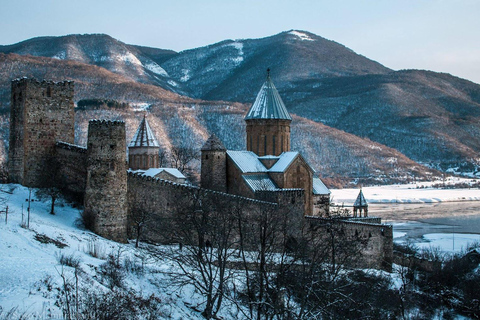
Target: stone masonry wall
41,114
106,183
268,136
72,161
375,240
160,199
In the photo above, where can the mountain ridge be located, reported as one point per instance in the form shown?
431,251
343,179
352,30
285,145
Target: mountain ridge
430,117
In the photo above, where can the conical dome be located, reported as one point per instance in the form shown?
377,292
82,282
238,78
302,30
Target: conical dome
360,202
144,136
268,104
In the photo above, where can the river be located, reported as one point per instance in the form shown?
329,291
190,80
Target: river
448,225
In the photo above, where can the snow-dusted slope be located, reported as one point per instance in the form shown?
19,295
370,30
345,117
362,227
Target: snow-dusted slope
30,272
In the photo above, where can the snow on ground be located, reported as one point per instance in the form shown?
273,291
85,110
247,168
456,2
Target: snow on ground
26,262
152,66
140,106
446,242
186,75
301,35
420,192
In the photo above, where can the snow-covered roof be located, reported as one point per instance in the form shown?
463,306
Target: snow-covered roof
213,143
260,182
319,187
284,161
360,202
152,172
144,136
246,161
268,104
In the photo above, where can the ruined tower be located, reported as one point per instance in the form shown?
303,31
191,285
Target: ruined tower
106,188
41,114
214,165
268,122
143,149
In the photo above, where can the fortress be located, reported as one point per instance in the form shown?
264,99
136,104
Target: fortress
267,176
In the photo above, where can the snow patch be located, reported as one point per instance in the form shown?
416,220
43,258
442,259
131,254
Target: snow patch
140,106
172,83
302,36
239,47
155,68
447,242
420,192
60,55
128,58
186,75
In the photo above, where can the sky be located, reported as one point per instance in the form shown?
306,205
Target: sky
438,35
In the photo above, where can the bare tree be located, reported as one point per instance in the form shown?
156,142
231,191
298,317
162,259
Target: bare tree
182,156
205,229
52,182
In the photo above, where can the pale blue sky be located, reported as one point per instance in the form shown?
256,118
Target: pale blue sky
438,35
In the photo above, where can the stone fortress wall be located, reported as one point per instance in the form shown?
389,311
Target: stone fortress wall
377,238
72,162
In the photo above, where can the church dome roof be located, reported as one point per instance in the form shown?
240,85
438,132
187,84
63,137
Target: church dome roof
360,202
144,136
268,104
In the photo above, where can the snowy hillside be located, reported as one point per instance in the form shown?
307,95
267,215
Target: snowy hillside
35,258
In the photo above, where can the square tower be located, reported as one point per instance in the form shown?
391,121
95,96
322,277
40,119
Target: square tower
41,114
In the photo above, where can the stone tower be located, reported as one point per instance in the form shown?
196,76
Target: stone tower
143,149
106,188
214,165
41,113
268,122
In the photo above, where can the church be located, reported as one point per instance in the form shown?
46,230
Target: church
268,166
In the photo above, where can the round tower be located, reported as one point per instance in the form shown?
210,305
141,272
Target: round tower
268,122
106,188
214,165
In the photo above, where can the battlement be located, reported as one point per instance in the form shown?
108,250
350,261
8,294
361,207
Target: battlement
25,80
71,147
180,186
105,123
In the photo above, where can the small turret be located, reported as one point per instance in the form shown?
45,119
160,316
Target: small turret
214,165
360,205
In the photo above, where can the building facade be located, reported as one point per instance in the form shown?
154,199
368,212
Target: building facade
268,165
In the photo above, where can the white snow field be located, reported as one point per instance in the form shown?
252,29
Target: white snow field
420,192
27,264
450,231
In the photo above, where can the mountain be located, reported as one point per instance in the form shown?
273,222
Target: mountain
430,117
181,121
133,62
